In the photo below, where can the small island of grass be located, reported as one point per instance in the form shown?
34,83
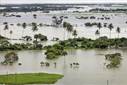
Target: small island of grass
29,78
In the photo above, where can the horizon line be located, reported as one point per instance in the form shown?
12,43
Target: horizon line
66,3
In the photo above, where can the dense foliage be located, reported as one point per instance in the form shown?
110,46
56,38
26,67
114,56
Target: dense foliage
55,51
59,49
83,43
102,42
10,58
115,60
6,45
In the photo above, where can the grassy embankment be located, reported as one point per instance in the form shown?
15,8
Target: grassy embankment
29,78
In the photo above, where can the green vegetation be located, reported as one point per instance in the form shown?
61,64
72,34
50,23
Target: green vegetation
36,45
34,26
74,33
29,78
27,38
10,58
6,45
55,51
88,24
82,43
40,37
68,26
59,49
115,60
102,43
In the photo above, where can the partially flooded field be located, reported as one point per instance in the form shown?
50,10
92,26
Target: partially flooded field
79,66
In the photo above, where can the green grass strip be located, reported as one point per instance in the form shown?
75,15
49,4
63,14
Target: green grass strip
29,78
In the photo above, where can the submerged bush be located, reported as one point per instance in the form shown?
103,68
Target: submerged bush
115,60
55,51
10,58
40,37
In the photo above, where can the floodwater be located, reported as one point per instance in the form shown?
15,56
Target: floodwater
117,19
91,69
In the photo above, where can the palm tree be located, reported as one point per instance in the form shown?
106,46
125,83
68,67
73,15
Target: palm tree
6,28
69,28
118,31
99,25
34,26
110,28
24,26
74,33
97,33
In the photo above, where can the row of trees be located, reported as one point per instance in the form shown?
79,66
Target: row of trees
24,26
78,43
110,26
69,28
66,25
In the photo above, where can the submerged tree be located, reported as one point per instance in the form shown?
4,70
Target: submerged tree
34,26
6,28
110,26
114,59
10,58
118,31
40,37
68,26
24,26
27,38
65,24
74,33
99,25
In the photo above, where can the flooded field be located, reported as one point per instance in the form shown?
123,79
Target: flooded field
91,69
117,19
